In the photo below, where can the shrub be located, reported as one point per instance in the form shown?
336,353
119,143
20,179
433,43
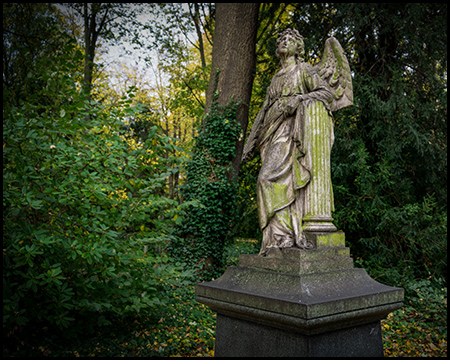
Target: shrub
76,213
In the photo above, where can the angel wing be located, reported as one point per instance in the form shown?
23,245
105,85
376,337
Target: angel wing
334,69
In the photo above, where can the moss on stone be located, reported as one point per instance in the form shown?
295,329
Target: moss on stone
331,240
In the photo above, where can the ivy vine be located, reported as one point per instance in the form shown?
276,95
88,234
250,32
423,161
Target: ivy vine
210,181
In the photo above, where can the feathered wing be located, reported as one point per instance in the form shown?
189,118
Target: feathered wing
335,70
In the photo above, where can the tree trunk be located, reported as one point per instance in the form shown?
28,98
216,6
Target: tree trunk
89,48
92,29
196,18
234,44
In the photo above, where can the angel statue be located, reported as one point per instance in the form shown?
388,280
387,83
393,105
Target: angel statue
294,134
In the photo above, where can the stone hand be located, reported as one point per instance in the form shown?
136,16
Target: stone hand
246,155
292,105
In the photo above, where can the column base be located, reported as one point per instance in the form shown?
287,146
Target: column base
318,224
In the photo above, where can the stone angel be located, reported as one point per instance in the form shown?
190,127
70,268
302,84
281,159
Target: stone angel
294,134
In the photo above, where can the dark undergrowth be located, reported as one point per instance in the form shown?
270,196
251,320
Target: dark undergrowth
184,327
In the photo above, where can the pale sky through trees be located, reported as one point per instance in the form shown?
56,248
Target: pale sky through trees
124,52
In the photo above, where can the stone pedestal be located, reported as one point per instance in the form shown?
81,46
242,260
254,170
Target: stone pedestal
299,303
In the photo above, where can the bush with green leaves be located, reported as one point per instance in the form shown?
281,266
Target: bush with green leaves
77,214
204,233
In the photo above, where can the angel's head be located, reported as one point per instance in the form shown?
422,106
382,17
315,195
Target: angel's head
290,42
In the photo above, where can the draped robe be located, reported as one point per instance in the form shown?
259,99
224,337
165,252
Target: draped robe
294,183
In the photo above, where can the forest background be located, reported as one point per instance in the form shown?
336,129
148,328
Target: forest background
118,192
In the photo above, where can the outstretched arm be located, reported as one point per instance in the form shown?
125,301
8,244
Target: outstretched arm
250,145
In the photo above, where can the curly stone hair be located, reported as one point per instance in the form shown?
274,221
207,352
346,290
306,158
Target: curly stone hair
300,54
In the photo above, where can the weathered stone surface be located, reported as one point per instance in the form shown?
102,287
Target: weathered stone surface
309,304
241,338
269,313
299,303
326,239
294,132
298,261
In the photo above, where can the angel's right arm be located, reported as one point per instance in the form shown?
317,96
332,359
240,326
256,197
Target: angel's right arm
250,145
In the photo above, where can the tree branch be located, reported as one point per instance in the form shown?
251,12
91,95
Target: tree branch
192,92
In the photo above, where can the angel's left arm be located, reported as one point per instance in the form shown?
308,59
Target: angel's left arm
317,89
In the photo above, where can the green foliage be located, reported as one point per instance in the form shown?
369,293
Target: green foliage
31,31
420,327
184,327
413,237
76,213
238,247
389,161
210,182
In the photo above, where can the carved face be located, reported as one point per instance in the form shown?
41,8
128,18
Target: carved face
288,45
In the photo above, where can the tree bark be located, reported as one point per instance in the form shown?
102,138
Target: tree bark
234,44
196,18
91,33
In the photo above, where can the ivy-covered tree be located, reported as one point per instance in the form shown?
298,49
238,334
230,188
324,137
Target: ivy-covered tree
212,171
233,55
207,228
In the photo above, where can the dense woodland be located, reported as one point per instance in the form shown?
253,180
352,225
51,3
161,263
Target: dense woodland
123,185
